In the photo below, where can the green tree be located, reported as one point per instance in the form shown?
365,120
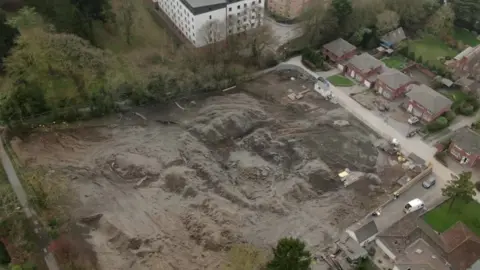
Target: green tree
49,71
342,9
460,188
387,21
467,13
7,37
441,22
290,254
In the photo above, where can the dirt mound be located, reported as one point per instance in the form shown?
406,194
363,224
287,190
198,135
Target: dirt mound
177,178
227,117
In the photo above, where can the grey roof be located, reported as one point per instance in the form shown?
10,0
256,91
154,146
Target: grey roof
421,256
352,249
202,3
365,231
467,139
394,36
365,62
395,79
429,98
339,47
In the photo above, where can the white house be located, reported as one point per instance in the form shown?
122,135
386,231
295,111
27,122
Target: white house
207,21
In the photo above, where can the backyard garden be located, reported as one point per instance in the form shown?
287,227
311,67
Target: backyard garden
465,36
395,61
430,51
446,215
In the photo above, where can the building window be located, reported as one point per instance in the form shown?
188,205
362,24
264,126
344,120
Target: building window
238,7
229,9
259,1
210,17
245,5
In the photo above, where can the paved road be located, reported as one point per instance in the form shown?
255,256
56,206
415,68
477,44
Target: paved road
42,239
392,211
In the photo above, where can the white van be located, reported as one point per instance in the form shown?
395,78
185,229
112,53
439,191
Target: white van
413,205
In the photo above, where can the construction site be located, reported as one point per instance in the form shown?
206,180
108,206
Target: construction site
174,187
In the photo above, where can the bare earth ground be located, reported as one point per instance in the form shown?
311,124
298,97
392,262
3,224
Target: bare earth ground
243,167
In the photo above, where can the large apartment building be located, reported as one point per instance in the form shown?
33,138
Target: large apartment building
204,22
288,9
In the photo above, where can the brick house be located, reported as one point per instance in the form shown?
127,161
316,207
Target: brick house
338,51
426,103
364,68
466,63
465,146
392,84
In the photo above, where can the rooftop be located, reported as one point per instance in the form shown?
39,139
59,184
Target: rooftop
365,62
205,3
421,256
339,47
467,139
363,231
429,98
394,79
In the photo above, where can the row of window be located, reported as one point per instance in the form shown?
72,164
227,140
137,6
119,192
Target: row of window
245,5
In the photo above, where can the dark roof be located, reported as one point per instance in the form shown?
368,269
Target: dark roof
365,62
421,256
429,98
365,231
339,47
394,79
467,139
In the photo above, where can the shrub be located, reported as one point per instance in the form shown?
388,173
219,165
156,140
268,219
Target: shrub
466,109
450,115
411,55
420,60
477,185
439,124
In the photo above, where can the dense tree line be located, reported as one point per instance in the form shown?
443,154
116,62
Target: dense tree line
73,16
7,37
467,14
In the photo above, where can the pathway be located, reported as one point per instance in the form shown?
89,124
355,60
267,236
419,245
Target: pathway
42,239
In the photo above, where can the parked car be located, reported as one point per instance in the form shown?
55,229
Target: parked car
413,120
413,206
411,133
429,182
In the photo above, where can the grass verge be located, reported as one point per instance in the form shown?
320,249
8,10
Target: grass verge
339,80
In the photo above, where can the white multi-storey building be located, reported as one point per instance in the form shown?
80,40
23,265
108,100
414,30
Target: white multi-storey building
208,21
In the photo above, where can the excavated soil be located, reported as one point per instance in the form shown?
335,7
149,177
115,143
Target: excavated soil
233,169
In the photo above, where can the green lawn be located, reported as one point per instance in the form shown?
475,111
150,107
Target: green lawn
441,218
465,36
397,61
339,80
431,49
455,95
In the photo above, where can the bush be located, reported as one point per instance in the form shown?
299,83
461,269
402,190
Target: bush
313,57
477,185
420,60
411,55
450,116
466,109
439,124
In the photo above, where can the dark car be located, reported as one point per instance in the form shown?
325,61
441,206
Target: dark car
429,182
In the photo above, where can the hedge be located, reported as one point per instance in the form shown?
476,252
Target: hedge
439,124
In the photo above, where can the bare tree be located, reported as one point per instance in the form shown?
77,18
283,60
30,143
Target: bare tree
387,21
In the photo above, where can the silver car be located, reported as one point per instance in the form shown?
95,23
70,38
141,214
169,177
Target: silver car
429,182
